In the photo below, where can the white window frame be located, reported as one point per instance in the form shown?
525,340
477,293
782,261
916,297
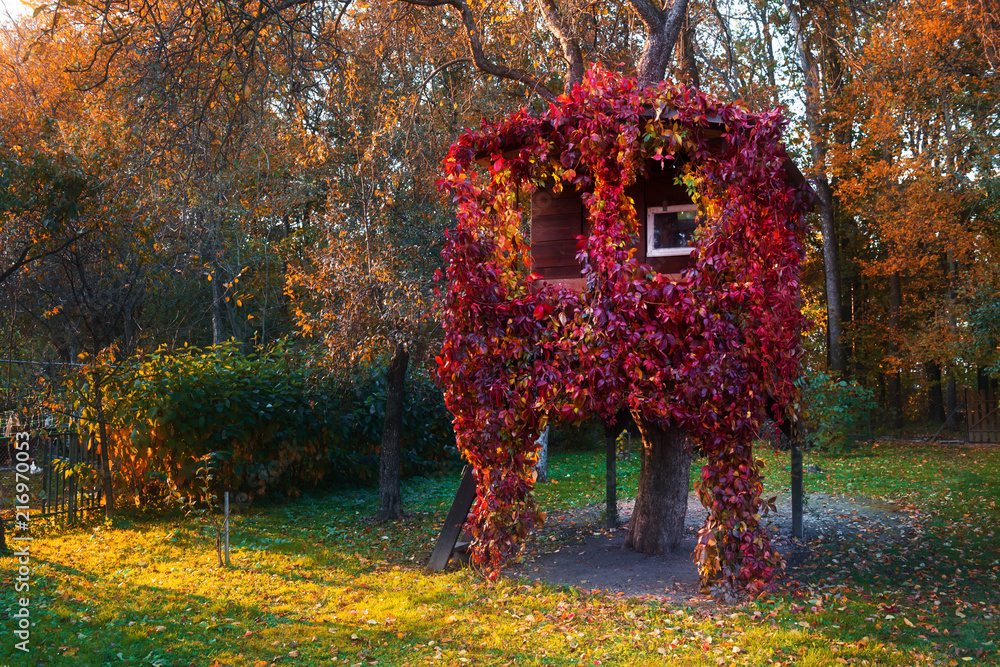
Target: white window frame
665,252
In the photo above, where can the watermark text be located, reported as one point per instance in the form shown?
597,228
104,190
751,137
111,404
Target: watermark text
22,543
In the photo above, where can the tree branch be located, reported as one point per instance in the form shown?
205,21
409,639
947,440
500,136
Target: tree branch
570,45
483,63
441,68
24,260
732,76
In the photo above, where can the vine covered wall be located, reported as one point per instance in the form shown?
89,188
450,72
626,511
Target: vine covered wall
706,354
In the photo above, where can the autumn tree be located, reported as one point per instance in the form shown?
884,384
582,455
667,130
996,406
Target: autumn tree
82,294
920,112
42,184
362,282
818,32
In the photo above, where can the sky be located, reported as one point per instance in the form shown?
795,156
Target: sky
15,7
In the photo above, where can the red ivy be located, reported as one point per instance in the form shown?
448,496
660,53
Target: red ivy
703,353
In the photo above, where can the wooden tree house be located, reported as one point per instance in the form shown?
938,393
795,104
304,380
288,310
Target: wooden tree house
667,224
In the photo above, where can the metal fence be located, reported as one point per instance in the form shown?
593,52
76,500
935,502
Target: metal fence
63,472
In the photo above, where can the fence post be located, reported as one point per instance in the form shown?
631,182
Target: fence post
226,526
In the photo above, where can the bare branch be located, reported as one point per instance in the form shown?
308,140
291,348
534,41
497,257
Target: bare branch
483,63
732,75
440,68
25,260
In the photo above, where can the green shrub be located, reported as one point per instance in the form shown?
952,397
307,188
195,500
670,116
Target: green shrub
833,410
280,421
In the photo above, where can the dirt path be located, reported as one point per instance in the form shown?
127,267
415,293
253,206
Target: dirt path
593,557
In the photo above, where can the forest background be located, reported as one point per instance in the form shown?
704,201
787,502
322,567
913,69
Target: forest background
220,226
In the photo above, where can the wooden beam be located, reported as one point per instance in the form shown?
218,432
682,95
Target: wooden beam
797,529
454,522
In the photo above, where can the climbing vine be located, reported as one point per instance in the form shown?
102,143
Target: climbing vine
704,353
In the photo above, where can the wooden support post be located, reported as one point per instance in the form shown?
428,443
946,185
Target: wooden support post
797,530
611,495
453,523
611,433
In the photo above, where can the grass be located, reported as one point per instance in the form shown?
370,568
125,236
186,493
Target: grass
314,583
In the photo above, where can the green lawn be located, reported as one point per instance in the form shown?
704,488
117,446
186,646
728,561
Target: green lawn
313,583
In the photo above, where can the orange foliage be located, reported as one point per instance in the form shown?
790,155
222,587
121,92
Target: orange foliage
907,175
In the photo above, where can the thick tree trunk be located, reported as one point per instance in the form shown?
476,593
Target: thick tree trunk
662,30
657,523
894,398
390,501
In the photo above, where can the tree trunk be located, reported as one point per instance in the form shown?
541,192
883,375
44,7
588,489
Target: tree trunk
390,501
836,356
657,523
687,66
216,309
794,433
935,399
662,30
951,393
951,400
894,393
102,434
542,467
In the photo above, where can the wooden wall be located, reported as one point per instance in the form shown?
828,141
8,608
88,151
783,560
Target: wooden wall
982,415
556,221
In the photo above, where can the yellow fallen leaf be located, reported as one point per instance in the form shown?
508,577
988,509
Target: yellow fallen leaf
907,621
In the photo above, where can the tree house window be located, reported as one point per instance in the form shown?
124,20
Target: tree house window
670,230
